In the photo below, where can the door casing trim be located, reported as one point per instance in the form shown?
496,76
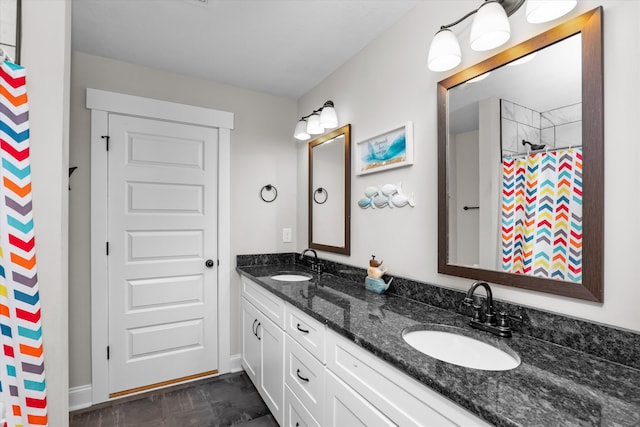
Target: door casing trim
101,103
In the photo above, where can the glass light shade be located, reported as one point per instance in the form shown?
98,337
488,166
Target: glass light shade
444,52
328,118
490,27
539,11
313,125
301,131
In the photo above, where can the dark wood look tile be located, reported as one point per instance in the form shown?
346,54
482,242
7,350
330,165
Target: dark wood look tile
228,400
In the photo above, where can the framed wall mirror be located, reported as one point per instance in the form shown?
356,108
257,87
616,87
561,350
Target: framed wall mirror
330,191
10,28
521,166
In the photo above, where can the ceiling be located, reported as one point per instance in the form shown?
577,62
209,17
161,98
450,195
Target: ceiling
282,47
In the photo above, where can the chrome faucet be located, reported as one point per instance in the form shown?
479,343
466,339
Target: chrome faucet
316,266
489,323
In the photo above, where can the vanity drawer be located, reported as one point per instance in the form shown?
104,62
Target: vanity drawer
295,414
304,375
401,398
307,331
269,304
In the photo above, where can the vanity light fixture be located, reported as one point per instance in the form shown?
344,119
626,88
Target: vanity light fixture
317,122
490,28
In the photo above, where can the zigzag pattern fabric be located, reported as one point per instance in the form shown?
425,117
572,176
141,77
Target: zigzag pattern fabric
22,376
542,215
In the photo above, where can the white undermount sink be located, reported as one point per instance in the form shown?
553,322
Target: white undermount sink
451,345
292,277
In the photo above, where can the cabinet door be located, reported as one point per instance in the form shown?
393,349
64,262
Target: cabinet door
271,371
250,359
344,407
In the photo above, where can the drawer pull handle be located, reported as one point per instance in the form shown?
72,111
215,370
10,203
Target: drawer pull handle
304,331
258,336
297,424
301,377
253,328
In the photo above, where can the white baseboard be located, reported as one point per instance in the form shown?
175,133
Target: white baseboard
79,397
234,362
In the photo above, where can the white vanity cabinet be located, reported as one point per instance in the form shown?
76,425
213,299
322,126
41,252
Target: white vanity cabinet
263,344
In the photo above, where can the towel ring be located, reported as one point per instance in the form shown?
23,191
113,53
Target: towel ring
269,188
320,191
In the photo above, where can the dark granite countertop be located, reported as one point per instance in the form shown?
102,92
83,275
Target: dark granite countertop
553,386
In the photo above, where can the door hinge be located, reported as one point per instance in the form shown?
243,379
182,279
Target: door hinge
107,248
108,353
218,261
107,138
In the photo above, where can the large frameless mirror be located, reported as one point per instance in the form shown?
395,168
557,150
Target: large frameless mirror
520,155
329,191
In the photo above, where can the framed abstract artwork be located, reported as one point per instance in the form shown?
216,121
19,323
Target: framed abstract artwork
389,150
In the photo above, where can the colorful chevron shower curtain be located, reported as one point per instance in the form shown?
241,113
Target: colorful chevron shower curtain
542,215
22,380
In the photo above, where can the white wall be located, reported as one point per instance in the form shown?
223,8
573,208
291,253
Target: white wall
467,229
388,83
45,55
262,152
490,183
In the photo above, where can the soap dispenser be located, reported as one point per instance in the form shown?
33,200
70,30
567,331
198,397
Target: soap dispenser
373,282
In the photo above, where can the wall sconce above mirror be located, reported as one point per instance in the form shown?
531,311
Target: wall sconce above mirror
317,122
490,28
525,145
330,192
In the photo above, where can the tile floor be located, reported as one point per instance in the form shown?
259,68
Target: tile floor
227,400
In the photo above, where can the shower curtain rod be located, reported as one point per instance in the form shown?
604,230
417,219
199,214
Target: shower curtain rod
513,156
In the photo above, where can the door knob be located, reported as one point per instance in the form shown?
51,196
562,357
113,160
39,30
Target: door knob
209,263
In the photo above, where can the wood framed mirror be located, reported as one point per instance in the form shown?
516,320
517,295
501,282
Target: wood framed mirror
330,192
477,223
11,23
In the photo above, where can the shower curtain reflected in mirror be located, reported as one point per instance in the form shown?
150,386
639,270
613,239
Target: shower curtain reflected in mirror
542,214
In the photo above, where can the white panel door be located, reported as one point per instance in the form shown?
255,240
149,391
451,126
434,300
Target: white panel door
162,216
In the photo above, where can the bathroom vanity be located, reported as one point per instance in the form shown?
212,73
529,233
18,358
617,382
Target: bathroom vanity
325,352
310,375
